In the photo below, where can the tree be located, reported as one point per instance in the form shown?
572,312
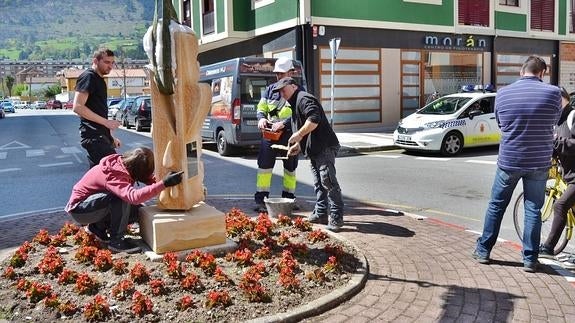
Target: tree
20,89
9,84
52,90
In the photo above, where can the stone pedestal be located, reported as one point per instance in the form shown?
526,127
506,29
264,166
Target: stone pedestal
169,231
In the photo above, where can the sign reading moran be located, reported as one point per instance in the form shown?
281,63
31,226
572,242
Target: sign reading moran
456,42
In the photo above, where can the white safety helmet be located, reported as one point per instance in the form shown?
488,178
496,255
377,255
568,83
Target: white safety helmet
283,65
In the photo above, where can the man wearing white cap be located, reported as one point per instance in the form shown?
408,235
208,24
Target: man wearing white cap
275,113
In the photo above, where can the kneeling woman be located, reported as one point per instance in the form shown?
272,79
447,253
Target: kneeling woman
102,199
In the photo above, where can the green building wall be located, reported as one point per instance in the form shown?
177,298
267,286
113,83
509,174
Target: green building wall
388,11
246,19
510,21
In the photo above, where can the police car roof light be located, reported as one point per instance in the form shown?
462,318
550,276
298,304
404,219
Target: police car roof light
468,88
489,88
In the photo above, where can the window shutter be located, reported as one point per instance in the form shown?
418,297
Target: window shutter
474,12
543,15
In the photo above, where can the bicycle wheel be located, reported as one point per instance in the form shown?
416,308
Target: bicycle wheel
546,220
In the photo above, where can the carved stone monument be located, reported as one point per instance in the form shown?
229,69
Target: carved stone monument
180,220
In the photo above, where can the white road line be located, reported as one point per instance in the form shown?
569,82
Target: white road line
385,156
35,152
3,155
56,164
489,162
5,170
71,150
434,158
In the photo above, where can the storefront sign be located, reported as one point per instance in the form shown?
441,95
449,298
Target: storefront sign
457,42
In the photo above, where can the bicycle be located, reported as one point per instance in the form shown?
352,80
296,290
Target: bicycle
555,187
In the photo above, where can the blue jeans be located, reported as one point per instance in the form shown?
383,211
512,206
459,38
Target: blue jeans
534,196
326,187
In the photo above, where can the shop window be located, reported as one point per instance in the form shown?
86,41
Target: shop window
543,15
509,67
474,12
511,3
208,17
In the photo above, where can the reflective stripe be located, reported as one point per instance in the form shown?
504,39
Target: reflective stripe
264,180
289,181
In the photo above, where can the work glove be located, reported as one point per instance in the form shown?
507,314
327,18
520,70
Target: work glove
172,179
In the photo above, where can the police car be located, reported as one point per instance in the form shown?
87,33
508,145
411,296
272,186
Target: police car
448,124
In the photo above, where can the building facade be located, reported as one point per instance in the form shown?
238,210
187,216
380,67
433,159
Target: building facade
393,54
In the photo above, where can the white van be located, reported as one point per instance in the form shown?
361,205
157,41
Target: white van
237,86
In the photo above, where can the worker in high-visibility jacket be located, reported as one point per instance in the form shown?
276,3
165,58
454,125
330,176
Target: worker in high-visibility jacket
275,113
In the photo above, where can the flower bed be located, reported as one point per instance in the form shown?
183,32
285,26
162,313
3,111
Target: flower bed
277,266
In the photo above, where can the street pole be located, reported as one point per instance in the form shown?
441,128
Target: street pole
124,67
334,46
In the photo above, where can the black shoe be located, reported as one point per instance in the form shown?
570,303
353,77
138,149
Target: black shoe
545,252
261,208
530,267
123,245
314,218
98,233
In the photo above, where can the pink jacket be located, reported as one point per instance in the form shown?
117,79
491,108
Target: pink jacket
112,176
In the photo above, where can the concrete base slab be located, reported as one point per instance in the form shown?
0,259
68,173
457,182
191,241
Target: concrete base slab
170,231
216,250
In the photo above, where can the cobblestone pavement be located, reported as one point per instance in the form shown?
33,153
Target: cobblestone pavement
421,270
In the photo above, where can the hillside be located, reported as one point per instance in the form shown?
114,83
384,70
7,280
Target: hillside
33,29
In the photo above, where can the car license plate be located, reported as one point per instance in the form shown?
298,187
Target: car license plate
403,138
251,122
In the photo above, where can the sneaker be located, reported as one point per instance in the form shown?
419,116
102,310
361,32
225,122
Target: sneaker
314,218
544,252
530,267
98,233
123,245
480,259
334,226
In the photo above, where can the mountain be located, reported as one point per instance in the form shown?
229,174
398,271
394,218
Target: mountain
68,29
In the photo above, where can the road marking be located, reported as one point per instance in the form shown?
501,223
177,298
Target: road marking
3,155
71,150
35,152
56,164
5,170
14,145
488,162
434,158
385,156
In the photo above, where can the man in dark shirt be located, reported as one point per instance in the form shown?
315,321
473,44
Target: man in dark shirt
90,103
314,137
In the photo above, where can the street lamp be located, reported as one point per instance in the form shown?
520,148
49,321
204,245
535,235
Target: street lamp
124,68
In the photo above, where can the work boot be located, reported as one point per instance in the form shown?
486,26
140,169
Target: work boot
123,245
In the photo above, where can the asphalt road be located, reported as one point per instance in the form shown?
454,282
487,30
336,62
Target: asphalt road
41,159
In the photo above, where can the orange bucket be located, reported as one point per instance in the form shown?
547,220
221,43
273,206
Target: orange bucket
271,135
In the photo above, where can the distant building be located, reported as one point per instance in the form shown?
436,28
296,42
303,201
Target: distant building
136,81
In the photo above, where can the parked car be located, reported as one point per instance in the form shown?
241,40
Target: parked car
69,105
112,101
121,113
449,123
139,114
39,105
54,104
21,105
8,106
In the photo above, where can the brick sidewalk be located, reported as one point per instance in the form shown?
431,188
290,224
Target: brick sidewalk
420,270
